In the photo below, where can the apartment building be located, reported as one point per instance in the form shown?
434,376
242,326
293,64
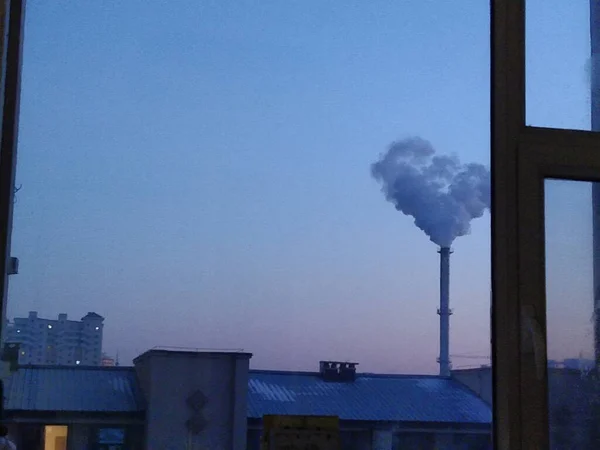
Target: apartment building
58,342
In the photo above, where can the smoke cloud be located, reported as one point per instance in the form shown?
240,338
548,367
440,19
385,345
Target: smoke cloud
439,192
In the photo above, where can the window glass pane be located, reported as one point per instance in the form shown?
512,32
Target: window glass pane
560,72
574,397
304,181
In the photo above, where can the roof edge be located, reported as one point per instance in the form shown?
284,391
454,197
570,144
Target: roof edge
80,367
358,374
193,353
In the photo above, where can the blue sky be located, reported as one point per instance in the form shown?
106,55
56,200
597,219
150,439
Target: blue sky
199,175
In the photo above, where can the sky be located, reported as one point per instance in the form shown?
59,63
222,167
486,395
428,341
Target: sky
199,174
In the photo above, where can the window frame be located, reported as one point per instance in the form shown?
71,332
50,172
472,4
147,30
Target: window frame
12,16
507,83
523,158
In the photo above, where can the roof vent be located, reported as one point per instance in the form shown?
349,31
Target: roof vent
338,371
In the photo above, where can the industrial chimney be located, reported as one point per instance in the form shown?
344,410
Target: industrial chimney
444,311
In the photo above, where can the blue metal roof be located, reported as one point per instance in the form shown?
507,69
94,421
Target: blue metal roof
398,398
73,389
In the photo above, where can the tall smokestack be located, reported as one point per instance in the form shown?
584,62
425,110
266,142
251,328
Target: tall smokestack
444,311
443,196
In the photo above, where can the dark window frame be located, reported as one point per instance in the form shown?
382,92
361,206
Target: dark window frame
523,158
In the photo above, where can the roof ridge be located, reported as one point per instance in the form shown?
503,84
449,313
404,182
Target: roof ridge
358,374
284,372
80,367
403,375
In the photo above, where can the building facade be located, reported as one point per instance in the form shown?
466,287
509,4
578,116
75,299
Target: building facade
186,399
60,342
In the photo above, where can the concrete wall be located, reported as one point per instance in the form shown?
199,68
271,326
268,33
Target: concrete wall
356,439
253,439
382,440
169,377
79,437
13,432
478,380
445,442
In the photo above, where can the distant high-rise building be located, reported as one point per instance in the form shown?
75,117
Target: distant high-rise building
107,361
58,342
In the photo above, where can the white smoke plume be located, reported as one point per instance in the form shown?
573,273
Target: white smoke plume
439,192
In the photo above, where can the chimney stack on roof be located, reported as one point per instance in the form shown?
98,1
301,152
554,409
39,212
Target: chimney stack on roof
338,371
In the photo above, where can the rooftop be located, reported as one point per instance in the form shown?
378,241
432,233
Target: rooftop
175,351
406,398
92,315
73,389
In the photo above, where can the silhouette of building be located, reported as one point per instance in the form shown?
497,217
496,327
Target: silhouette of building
573,400
58,342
